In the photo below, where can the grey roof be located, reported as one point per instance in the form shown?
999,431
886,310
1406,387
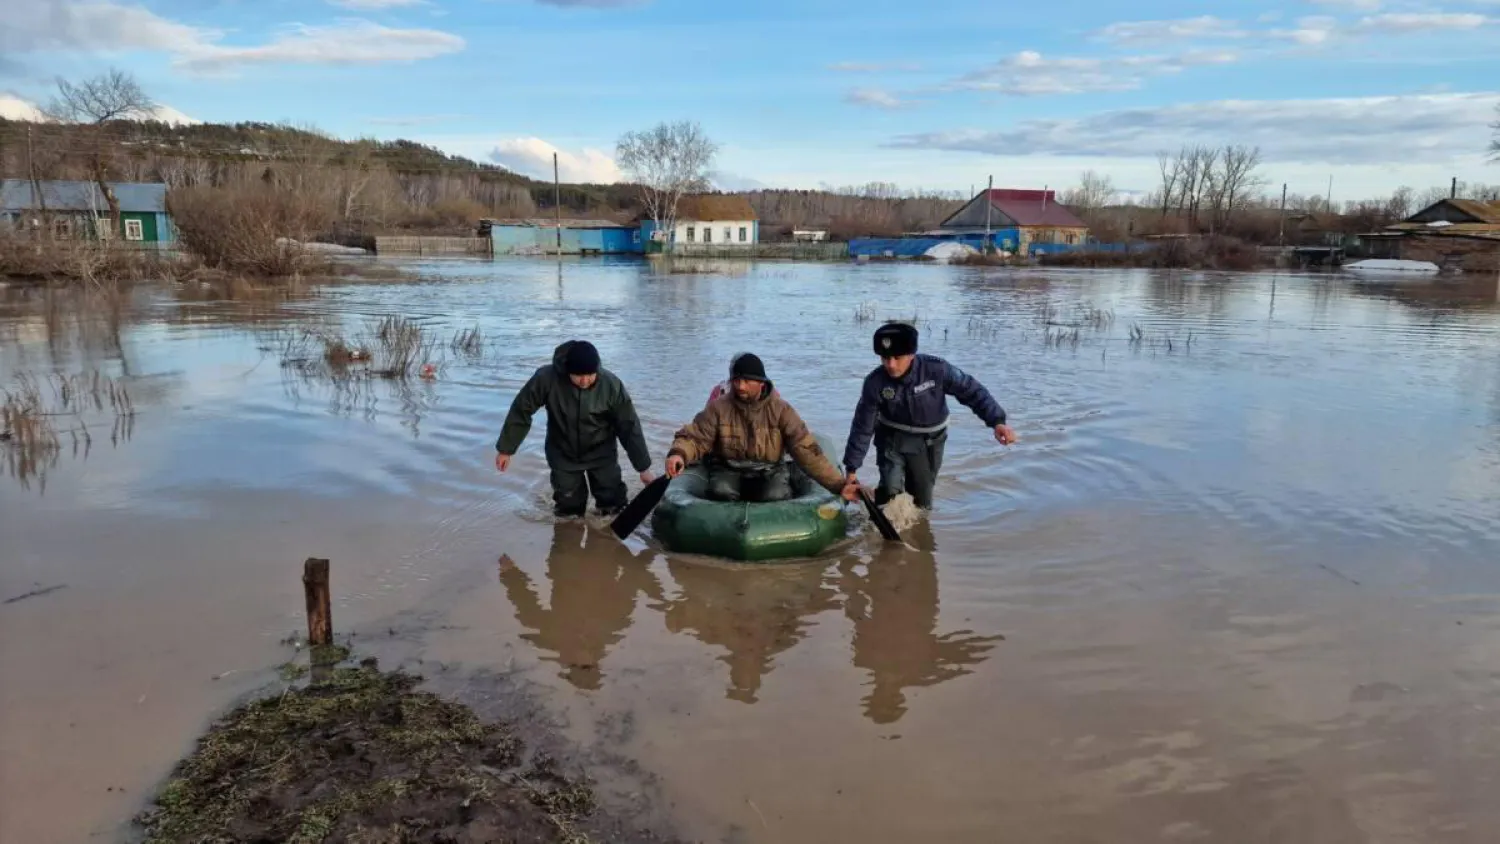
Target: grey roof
567,223
135,197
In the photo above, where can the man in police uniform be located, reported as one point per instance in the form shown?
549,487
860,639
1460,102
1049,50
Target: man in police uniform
904,408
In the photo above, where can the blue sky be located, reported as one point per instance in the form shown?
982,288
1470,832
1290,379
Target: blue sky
800,93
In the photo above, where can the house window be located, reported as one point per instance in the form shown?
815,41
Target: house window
635,236
690,232
708,235
727,235
62,227
134,231
743,234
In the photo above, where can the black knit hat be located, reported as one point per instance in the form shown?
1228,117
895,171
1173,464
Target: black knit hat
748,367
582,358
895,339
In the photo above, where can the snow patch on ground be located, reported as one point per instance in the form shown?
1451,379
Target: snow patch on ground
1392,265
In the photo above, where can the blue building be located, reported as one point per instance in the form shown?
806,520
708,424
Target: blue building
540,236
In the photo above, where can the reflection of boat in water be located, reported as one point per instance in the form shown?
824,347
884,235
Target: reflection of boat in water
753,613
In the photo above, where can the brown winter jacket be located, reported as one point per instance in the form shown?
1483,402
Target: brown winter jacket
762,431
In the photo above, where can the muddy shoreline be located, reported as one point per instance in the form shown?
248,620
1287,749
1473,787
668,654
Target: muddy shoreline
342,749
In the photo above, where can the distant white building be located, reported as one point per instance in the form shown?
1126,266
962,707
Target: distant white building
715,220
809,235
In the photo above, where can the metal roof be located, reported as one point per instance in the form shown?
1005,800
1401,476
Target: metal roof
548,222
134,197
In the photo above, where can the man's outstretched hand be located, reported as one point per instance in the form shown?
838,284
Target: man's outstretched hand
1004,434
675,464
502,462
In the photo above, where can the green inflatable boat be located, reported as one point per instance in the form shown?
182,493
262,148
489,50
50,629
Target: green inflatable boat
802,526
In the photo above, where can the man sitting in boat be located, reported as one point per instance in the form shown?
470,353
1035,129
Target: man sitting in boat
722,388
742,438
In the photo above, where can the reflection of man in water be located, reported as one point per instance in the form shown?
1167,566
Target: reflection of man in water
754,614
894,608
593,597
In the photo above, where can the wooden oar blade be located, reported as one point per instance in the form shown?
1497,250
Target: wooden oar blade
882,524
639,507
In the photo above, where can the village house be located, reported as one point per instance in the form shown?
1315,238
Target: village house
711,220
79,210
1461,235
1016,219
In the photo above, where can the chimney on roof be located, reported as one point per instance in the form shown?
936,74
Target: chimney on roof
1453,190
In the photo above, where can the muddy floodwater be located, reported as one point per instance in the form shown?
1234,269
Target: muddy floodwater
1238,581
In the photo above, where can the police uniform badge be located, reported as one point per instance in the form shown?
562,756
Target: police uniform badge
888,393
885,342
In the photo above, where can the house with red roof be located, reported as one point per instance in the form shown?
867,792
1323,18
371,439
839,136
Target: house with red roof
1022,217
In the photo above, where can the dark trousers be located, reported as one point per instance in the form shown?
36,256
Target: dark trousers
769,482
908,463
570,490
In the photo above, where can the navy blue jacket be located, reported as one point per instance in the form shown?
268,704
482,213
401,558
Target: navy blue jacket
919,399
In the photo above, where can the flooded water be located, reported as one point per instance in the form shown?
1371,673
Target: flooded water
1237,580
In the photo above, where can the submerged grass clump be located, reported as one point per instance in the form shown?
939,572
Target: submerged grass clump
395,348
37,415
364,755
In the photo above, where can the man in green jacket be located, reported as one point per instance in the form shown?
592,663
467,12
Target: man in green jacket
588,409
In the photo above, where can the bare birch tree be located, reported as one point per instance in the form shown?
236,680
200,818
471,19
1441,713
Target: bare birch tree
667,161
1094,191
1171,172
1237,177
93,103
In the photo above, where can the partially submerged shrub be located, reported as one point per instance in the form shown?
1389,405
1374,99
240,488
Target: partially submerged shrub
255,229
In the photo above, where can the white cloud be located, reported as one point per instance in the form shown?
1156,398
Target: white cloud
1356,5
43,25
1310,31
533,157
1420,22
349,42
375,5
1029,73
874,67
1365,130
106,27
1160,31
875,98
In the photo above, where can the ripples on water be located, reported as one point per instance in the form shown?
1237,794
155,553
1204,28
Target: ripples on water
1236,579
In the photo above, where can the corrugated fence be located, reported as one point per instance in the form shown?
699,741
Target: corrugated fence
405,245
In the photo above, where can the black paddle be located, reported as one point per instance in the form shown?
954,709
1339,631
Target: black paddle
882,524
639,507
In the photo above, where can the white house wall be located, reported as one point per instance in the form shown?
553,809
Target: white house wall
719,227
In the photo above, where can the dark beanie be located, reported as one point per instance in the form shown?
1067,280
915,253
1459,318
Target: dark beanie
582,359
894,339
749,367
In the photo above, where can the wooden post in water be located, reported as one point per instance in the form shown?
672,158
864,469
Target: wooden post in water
319,601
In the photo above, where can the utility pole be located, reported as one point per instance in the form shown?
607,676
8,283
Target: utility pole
557,203
36,186
1453,189
1281,224
989,203
1328,203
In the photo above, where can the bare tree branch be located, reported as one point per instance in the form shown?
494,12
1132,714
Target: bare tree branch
667,161
113,95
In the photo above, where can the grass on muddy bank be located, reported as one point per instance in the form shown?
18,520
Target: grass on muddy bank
395,348
362,755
